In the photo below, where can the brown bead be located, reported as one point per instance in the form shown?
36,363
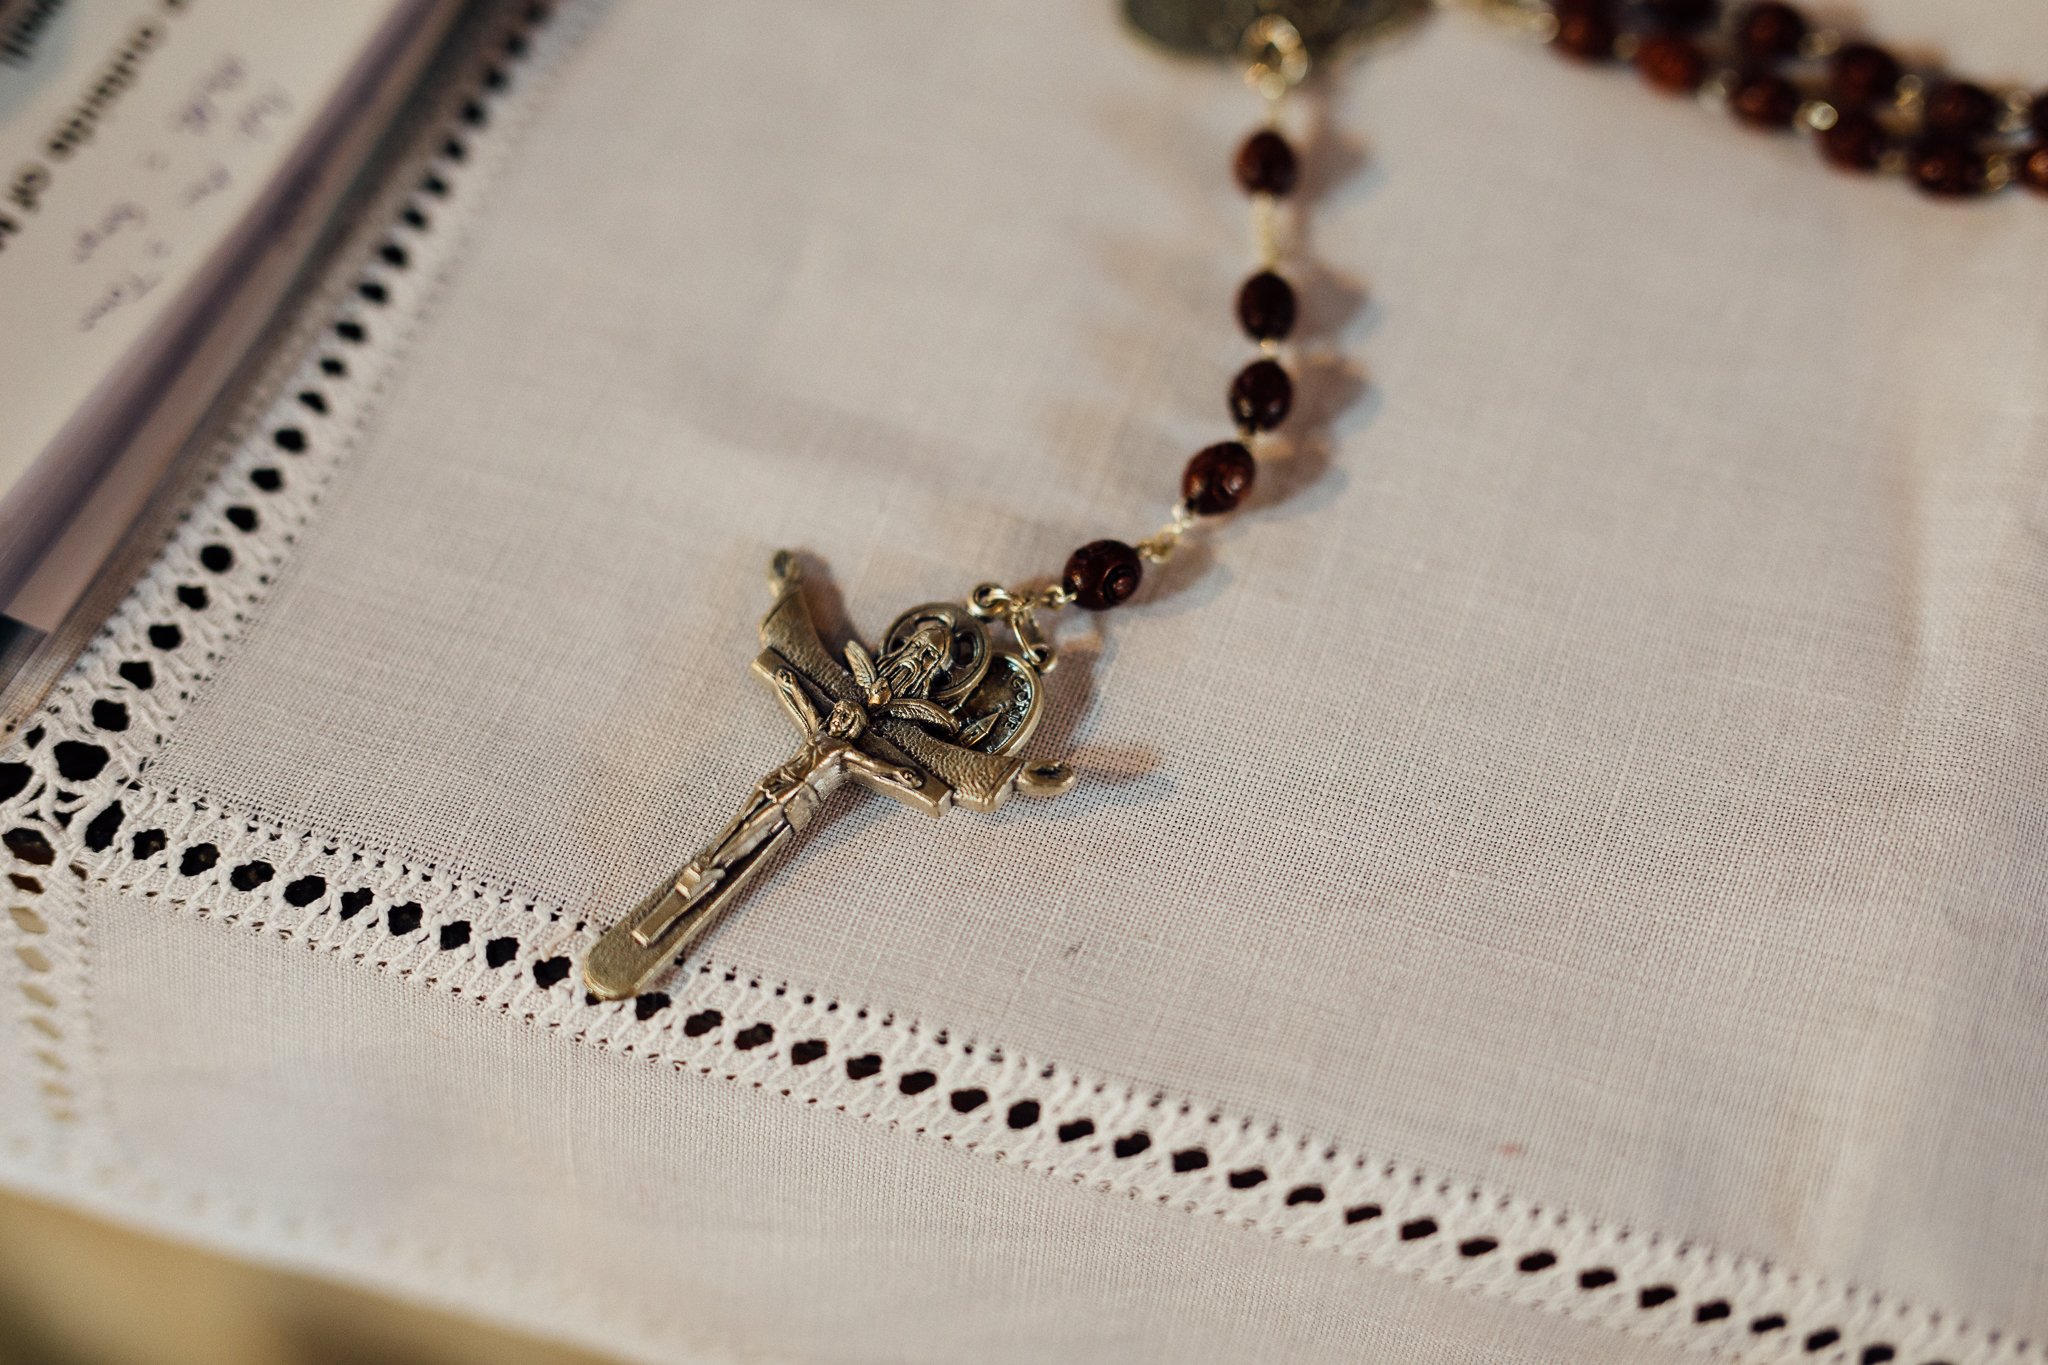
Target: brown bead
1261,395
2033,167
2040,113
1677,16
1770,31
1218,478
1671,63
1266,164
1861,74
1764,99
1857,142
1960,109
1265,306
1103,574
1586,29
1953,170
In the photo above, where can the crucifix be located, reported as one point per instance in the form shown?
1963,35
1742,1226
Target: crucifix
932,719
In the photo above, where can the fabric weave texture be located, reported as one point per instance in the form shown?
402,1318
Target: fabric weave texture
1589,802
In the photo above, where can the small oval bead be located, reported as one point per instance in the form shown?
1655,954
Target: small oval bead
2033,167
1952,170
1218,478
1266,164
1103,574
1670,63
1677,16
1764,99
1586,29
1265,306
1857,142
1959,109
1861,74
2040,113
1769,31
1261,395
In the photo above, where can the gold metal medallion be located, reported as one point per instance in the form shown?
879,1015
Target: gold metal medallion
1218,28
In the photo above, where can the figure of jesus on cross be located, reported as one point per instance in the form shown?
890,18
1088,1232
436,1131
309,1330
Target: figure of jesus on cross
872,720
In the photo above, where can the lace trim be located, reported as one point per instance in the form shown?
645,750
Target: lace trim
74,805
487,946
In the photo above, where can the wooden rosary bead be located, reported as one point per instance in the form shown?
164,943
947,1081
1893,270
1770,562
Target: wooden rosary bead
1862,74
1671,63
1103,574
1265,306
1266,164
1770,31
2033,167
1960,109
1856,142
1958,149
1218,478
1261,395
1677,16
1764,99
1586,29
1951,170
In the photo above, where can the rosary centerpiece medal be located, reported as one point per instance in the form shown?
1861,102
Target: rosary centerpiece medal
1219,28
933,718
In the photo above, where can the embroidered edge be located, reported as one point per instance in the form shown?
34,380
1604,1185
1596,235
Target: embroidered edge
74,805
495,950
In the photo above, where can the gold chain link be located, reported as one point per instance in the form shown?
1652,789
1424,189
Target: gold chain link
1019,611
1276,58
1158,547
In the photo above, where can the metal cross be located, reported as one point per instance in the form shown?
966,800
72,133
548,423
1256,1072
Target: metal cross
933,720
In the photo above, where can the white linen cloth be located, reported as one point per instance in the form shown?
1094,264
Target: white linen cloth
1603,765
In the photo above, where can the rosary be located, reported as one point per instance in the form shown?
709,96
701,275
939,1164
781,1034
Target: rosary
935,716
